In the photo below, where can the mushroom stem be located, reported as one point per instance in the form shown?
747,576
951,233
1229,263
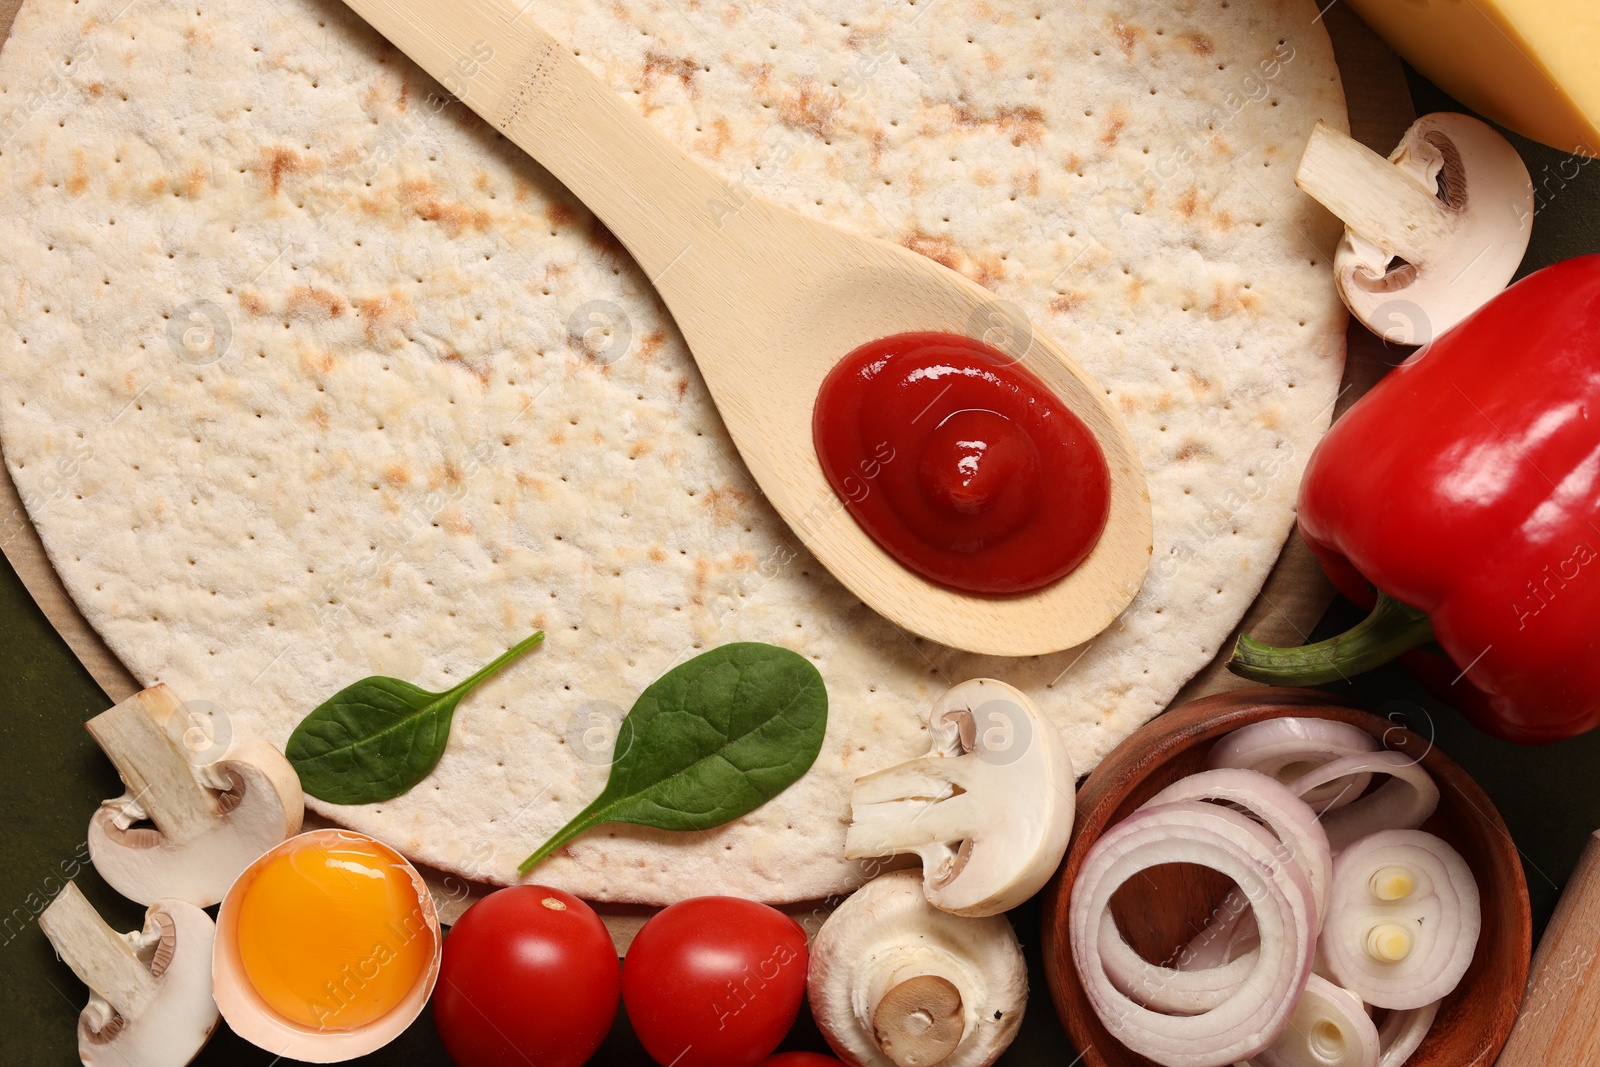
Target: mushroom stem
920,1021
1374,198
103,959
161,783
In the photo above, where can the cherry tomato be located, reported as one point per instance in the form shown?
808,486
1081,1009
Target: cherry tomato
801,1059
715,982
529,975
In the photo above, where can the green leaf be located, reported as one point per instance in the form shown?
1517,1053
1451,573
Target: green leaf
374,740
710,740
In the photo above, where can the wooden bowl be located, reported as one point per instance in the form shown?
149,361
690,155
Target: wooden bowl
1163,911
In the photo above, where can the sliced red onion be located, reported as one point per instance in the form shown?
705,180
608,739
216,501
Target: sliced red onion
1176,990
1285,749
1223,940
1403,919
1404,802
1223,840
1402,1033
1291,820
1329,1028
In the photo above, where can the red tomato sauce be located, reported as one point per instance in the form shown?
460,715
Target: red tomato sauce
961,464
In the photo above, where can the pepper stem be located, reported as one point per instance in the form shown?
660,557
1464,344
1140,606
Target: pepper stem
1391,629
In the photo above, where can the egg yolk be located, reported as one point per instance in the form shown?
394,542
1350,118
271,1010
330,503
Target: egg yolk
332,933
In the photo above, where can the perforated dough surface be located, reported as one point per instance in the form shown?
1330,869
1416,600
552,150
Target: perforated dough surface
306,371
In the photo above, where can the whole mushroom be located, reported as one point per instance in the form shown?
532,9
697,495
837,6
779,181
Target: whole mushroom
896,982
150,999
989,809
209,822
1431,233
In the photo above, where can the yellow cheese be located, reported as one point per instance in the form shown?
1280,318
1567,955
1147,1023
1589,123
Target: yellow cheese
1531,65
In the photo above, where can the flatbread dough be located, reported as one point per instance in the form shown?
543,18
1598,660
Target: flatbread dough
310,375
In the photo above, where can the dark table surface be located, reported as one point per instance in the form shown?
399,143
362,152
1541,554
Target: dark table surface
52,776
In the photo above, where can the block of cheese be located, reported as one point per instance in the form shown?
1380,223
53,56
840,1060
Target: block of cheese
1531,65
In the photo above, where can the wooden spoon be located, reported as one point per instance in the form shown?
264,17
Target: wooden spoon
769,301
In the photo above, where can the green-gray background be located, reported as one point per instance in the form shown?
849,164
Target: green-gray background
52,776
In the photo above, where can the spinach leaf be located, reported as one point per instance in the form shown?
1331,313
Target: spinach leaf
710,740
375,739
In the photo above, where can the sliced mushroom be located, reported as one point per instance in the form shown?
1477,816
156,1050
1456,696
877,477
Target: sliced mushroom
895,982
149,992
989,809
209,822
1433,232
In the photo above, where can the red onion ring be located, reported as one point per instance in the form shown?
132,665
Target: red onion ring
1219,838
1329,1028
1404,802
1289,818
1284,749
1403,1032
1403,919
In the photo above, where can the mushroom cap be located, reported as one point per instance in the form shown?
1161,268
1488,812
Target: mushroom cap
261,804
885,935
1485,188
181,1019
1003,807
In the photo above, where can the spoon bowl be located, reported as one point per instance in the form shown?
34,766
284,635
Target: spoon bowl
768,301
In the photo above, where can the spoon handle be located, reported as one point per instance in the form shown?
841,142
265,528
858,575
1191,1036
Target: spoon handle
656,200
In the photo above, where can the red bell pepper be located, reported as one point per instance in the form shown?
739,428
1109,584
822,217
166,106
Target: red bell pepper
1460,498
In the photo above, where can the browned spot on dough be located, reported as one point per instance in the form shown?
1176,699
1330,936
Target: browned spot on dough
78,180
1200,44
725,502
1190,450
455,523
1024,123
1113,128
1229,298
721,136
659,64
557,438
810,109
1165,401
1066,302
396,475
252,302
1199,386
682,387
1127,36
377,312
304,299
319,417
988,270
603,240
650,344
1127,404
194,180
317,363
656,555
405,95
702,571
560,214
96,89
420,197
1189,202
275,162
939,249
480,372
639,448
1222,221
